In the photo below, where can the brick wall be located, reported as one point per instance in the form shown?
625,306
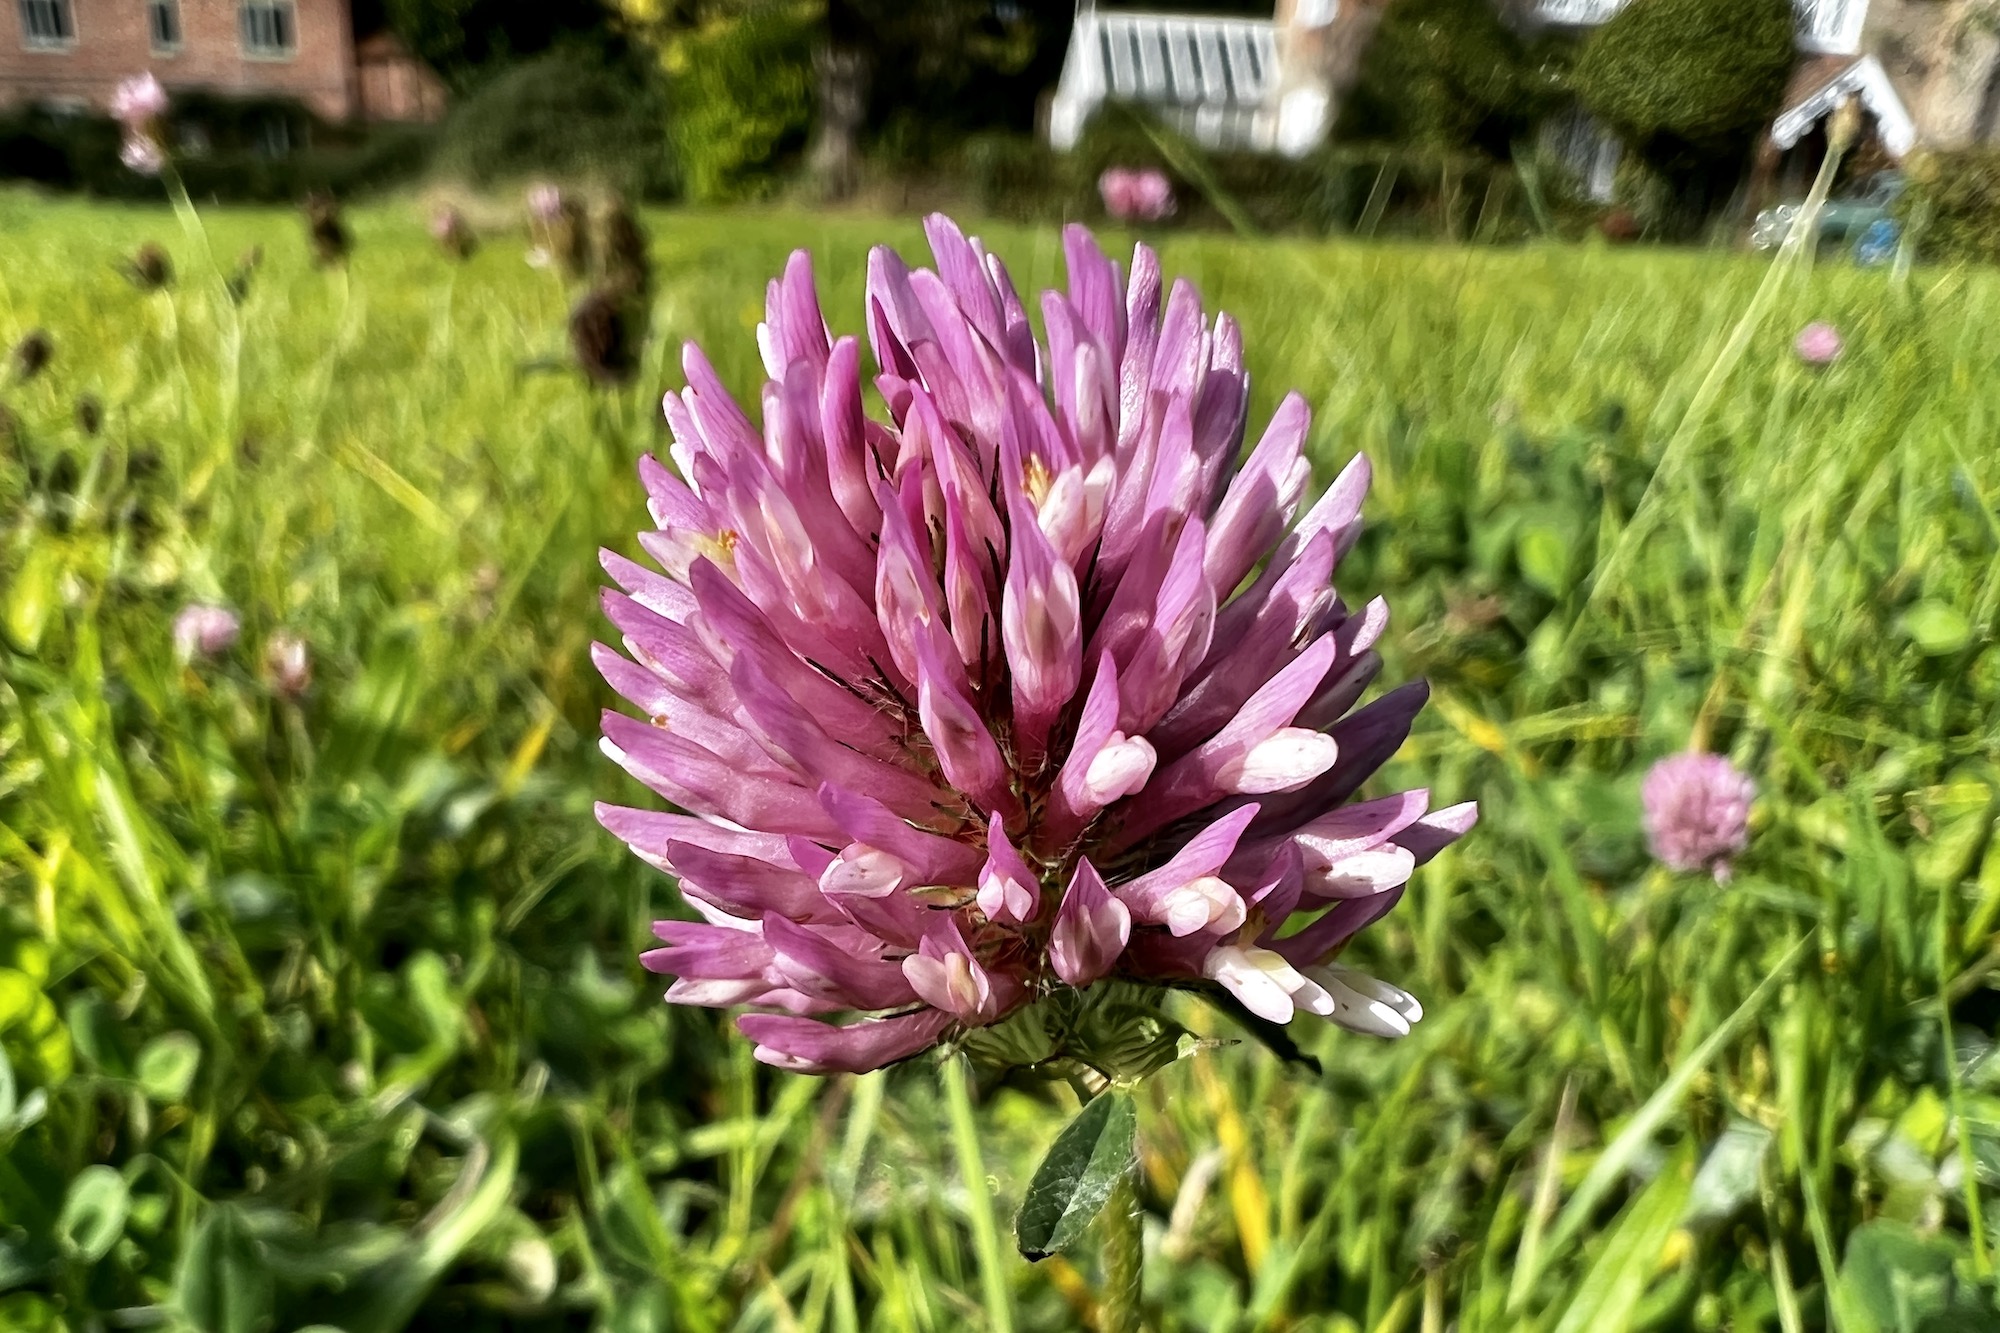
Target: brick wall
113,39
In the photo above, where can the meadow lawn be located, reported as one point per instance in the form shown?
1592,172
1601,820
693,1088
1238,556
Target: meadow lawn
328,1010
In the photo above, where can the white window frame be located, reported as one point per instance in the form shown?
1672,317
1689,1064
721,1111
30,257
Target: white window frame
255,19
63,12
171,9
1844,35
1315,13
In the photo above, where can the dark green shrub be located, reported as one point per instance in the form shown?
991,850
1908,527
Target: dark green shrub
465,40
571,112
238,159
742,99
1954,203
388,156
1018,176
1445,74
1688,80
53,150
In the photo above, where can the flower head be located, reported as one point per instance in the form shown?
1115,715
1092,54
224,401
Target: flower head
150,267
451,231
203,631
33,353
288,662
142,153
1818,344
1143,195
1032,685
545,204
1697,812
138,101
137,104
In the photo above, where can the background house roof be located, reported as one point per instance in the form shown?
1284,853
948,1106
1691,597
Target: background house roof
1819,86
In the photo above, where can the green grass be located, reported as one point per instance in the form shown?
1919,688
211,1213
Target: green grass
331,1010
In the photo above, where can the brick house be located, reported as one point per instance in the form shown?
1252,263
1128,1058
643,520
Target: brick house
72,53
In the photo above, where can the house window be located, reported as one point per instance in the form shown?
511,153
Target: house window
1831,27
163,20
47,23
268,28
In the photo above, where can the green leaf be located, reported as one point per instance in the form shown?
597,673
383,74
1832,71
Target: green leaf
19,1264
32,1030
1728,1176
26,1312
93,1213
1630,1256
1896,1278
386,1297
1127,1042
223,1284
1638,1133
166,1067
32,596
1077,1176
1545,552
1938,628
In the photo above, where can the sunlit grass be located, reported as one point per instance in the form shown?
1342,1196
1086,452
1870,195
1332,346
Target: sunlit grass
362,968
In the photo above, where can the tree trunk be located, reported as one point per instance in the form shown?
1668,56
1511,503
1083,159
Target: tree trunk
842,69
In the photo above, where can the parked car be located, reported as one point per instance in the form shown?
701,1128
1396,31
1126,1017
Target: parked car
1840,220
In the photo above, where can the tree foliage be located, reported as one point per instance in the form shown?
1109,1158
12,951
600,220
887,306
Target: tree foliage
1953,204
1448,74
464,39
742,98
573,111
1684,80
745,80
956,64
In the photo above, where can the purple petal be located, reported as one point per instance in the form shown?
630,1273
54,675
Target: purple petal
806,1046
1090,931
839,970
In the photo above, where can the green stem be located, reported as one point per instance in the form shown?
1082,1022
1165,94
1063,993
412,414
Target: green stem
1124,1258
978,1198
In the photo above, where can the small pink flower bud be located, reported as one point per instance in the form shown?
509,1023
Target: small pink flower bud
288,660
1818,344
202,631
138,101
142,153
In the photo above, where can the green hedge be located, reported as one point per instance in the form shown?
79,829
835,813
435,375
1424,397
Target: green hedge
1444,74
1688,79
1953,204
80,153
568,113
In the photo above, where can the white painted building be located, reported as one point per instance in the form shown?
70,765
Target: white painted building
1226,83
1926,71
